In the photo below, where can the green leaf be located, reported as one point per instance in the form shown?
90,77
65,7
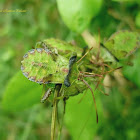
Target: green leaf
137,20
122,0
133,72
130,1
80,118
123,43
21,93
77,14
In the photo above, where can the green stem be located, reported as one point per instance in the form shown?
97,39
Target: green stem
60,124
54,111
89,39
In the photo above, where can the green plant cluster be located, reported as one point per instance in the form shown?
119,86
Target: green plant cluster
23,117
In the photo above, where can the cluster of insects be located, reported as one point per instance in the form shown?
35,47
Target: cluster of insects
54,62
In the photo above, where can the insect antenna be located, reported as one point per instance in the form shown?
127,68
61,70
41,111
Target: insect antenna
92,96
84,55
111,70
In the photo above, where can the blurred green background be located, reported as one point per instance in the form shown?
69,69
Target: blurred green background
119,113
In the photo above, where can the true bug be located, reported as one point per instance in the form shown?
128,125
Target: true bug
42,66
54,62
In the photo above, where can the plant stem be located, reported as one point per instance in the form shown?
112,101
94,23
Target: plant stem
54,111
89,39
60,124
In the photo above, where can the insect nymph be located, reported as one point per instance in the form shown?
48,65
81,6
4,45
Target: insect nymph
42,66
48,64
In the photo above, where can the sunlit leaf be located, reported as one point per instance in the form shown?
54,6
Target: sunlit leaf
20,93
133,72
80,118
123,43
77,14
137,20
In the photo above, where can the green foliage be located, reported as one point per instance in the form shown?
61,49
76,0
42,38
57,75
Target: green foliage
131,1
80,117
137,20
118,113
122,0
20,94
77,15
121,112
123,44
132,72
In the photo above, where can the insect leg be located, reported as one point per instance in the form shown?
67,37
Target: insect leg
46,95
100,79
112,70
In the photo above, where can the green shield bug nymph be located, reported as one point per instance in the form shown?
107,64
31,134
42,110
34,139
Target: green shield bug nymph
55,62
42,66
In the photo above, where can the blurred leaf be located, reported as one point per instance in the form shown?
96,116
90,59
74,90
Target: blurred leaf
123,43
78,14
131,1
137,20
80,118
132,72
21,93
122,0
